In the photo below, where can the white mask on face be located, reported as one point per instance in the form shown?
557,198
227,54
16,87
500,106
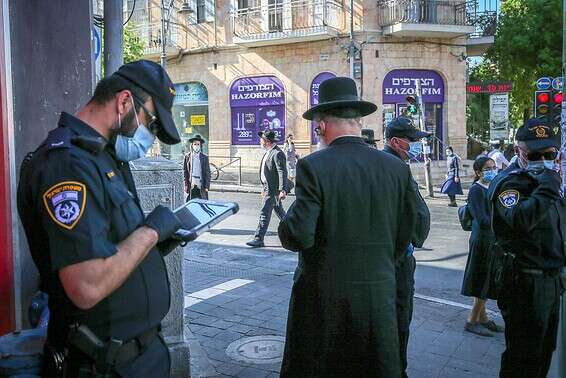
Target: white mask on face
196,148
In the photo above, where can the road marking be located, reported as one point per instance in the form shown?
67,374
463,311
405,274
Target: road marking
201,295
452,303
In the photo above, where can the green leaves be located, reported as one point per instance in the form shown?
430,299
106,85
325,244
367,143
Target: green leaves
133,44
528,45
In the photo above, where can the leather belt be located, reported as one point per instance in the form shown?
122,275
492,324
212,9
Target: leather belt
135,347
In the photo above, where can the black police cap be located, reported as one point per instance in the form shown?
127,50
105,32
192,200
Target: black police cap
403,127
153,79
537,135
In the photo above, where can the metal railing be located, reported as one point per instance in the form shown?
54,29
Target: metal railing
441,12
150,35
302,17
217,169
485,23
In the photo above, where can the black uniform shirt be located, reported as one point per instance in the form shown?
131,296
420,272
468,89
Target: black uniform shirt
422,228
529,220
78,203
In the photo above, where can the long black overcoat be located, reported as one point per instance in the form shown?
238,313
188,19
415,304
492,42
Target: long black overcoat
353,217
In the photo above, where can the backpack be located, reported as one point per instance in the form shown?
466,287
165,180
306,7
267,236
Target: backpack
465,218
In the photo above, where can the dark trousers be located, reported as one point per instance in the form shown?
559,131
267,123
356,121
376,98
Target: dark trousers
405,273
270,203
194,193
529,304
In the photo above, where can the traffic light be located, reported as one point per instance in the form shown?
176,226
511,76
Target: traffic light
542,103
555,109
413,107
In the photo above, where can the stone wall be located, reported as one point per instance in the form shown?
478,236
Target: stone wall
296,65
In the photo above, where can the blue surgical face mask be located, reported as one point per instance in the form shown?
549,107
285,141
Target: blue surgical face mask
136,146
539,165
490,175
415,149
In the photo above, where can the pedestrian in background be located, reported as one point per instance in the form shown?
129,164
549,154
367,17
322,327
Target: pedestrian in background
352,220
528,221
452,186
403,140
273,177
368,135
196,168
291,156
498,156
478,275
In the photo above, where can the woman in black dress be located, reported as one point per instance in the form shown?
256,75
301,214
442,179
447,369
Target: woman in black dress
477,276
452,185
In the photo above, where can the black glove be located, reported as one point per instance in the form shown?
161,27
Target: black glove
163,221
549,183
550,179
167,246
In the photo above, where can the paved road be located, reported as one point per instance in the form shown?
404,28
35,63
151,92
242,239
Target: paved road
234,293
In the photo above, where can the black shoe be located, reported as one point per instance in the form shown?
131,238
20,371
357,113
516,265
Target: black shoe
478,329
452,204
492,326
256,243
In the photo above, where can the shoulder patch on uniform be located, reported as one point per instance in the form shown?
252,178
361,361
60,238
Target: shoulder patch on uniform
509,198
65,203
110,174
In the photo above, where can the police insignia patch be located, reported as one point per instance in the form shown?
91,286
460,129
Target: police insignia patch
509,198
65,203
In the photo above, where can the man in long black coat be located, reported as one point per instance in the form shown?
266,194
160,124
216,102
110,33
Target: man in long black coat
352,220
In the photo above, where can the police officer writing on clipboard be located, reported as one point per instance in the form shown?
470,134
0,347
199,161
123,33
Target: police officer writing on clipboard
529,217
100,260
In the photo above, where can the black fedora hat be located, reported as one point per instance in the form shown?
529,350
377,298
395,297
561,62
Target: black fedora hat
268,135
197,137
336,93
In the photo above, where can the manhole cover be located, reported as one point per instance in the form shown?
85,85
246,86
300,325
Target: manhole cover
257,349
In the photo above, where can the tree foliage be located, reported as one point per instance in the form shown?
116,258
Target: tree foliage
528,45
133,44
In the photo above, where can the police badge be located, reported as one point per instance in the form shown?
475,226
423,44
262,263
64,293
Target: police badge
509,198
65,203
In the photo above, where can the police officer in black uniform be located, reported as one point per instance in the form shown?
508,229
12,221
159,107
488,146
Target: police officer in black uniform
402,140
529,222
100,259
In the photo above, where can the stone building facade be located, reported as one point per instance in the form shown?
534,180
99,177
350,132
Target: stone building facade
243,67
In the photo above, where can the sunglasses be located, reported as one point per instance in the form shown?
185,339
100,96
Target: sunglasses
536,156
152,117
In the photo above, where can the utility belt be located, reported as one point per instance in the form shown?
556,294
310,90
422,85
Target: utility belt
540,272
101,357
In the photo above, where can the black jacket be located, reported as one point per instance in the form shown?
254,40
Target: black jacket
353,218
275,170
529,218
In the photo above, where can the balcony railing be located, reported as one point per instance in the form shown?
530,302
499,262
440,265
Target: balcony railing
439,12
485,23
150,35
294,18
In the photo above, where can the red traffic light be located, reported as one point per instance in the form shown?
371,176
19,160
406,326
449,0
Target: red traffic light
411,100
543,98
557,98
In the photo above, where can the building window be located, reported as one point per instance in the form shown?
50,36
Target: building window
242,4
201,11
275,15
